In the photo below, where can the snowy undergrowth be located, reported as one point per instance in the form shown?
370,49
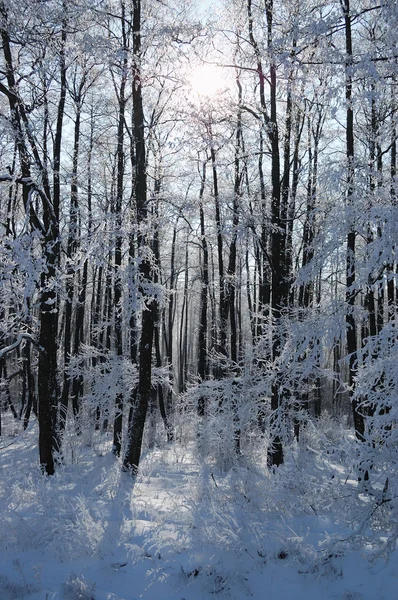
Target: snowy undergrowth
190,527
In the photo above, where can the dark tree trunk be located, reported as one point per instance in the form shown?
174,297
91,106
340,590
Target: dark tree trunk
49,230
169,323
391,282
138,412
279,292
70,283
221,335
30,385
359,423
203,327
231,270
157,317
183,337
117,283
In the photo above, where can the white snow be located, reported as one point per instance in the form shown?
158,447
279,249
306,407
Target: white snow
187,530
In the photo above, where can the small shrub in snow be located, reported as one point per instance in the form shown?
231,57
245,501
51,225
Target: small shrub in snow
75,529
38,516
76,587
10,590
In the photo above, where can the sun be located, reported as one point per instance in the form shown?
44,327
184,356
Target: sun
207,80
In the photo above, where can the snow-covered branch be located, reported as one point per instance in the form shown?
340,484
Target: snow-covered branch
17,343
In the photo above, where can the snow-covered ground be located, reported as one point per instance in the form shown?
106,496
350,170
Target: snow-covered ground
188,529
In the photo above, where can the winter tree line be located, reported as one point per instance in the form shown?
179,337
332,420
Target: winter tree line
168,250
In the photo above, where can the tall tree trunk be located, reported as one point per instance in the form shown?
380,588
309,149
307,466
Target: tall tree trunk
137,414
49,230
157,316
204,294
70,275
183,337
221,335
80,311
359,423
168,337
231,270
391,282
117,282
279,292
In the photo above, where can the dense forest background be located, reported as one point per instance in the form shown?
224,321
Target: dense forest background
199,217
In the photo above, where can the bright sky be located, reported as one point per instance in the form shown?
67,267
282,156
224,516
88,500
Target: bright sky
207,80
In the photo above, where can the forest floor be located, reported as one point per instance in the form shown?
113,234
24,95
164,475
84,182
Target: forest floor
191,528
